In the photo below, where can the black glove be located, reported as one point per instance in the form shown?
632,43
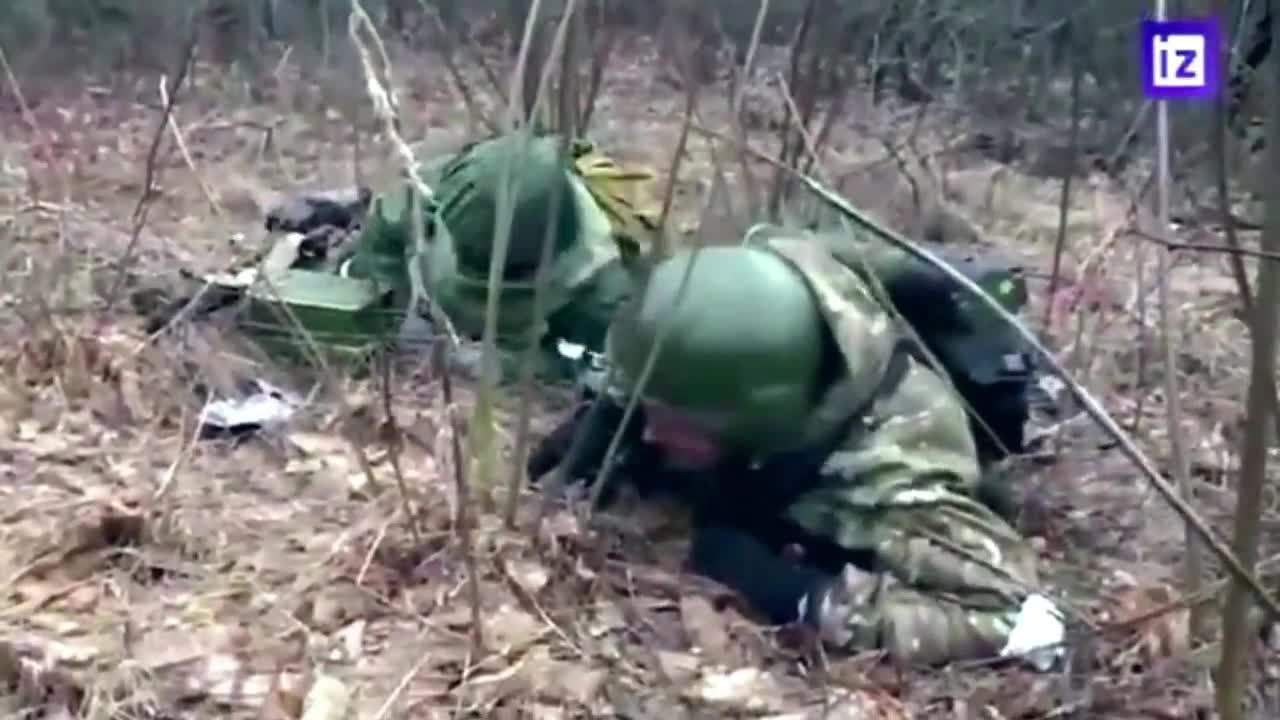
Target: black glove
304,213
554,448
781,589
590,428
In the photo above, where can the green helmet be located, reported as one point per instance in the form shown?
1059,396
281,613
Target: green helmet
745,351
467,195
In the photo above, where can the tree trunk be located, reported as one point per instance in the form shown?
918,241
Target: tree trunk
1232,678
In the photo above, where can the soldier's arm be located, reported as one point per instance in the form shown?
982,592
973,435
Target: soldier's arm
774,585
748,547
948,575
581,441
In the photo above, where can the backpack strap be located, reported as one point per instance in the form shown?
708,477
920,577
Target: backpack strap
800,466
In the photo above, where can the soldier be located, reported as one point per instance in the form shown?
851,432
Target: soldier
598,216
785,412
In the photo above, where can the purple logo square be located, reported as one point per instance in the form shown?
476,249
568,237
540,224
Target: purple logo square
1181,59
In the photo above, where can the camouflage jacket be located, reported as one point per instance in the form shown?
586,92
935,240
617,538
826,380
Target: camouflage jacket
586,282
888,485
910,446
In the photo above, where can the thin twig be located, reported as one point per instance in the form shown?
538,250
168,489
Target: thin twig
181,142
1064,205
462,520
483,431
1231,675
1121,147
673,175
30,117
394,439
642,382
385,709
599,65
385,107
150,174
811,152
1230,236
40,298
184,454
735,118
1206,248
527,365
1207,594
490,76
788,152
447,53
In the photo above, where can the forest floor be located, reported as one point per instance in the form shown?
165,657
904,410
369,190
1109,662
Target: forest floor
151,574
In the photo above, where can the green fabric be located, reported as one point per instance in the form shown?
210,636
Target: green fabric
896,483
386,245
463,293
584,319
470,189
594,303
744,350
900,486
586,282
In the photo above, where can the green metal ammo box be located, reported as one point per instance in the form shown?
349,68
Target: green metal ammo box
346,318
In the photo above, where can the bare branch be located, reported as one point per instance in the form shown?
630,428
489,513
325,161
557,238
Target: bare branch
463,524
1259,416
151,172
1206,248
393,437
1064,207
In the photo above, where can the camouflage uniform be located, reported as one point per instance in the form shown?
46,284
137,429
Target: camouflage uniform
900,489
876,474
605,219
604,222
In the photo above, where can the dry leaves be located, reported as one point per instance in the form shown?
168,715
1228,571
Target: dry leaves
286,699
1160,628
530,576
328,461
73,403
706,628
32,672
742,689
537,676
335,605
225,680
679,668
511,629
100,373
329,699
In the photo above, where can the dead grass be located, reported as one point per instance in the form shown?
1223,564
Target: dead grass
267,568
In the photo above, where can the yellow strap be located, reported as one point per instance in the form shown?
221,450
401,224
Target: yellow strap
623,193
